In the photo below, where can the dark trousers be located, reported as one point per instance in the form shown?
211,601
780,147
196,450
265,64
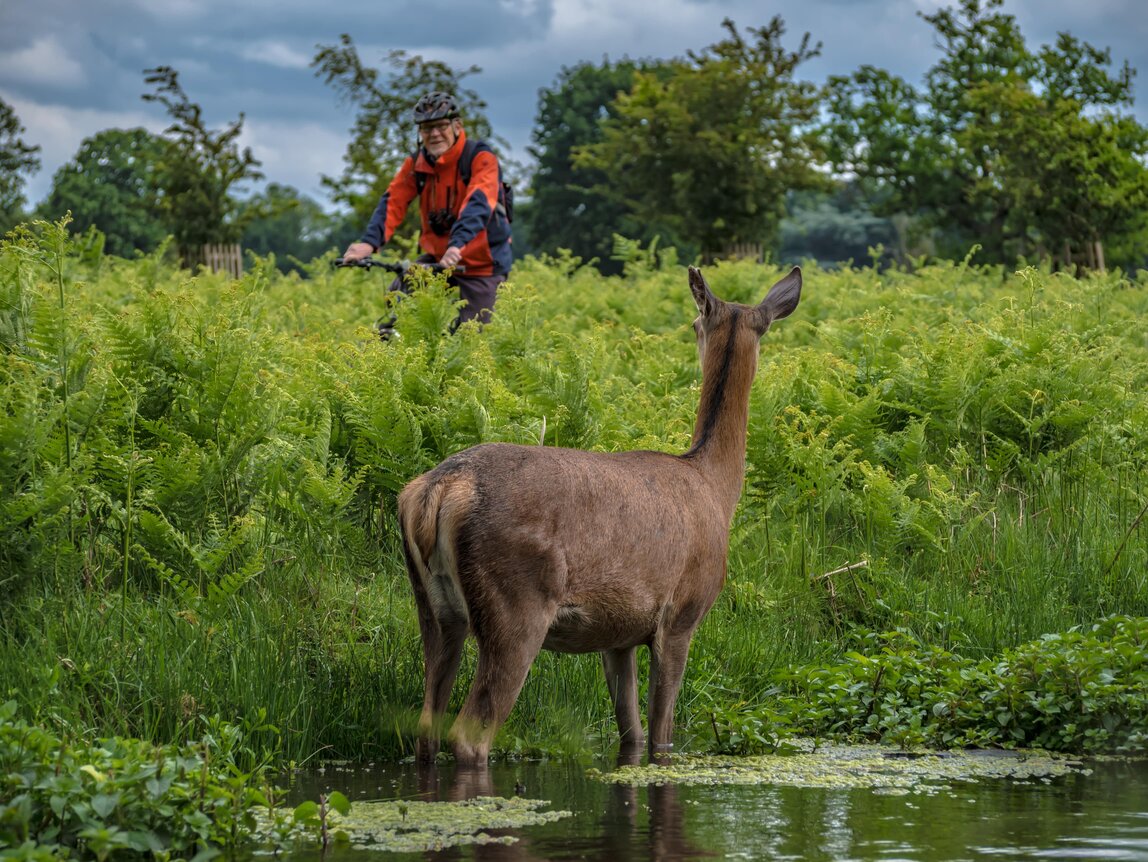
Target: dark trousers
478,291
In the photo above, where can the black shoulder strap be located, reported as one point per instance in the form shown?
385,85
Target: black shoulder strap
420,178
469,149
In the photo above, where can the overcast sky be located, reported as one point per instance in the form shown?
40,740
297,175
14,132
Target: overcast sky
71,68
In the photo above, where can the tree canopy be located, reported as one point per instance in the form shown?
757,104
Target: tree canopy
1018,151
199,169
17,158
708,152
568,209
112,183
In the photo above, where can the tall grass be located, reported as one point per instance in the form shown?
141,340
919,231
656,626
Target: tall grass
197,475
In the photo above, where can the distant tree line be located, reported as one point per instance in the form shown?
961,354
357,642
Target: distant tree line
17,158
1020,153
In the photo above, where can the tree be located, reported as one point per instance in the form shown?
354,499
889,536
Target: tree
291,225
16,158
1071,182
383,133
708,153
199,170
834,226
1003,147
568,209
111,184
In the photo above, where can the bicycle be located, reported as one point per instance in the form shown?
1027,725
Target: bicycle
386,326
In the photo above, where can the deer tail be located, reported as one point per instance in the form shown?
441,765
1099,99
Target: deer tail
432,510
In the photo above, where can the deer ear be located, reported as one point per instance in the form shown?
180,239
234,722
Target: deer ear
782,297
703,297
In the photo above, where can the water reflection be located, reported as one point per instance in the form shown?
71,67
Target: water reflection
1102,815
635,823
662,837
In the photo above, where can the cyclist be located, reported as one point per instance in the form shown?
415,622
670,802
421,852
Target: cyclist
462,224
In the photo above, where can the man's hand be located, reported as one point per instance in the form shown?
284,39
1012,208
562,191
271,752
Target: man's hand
452,257
358,250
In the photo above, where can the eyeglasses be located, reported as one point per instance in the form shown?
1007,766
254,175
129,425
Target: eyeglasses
428,129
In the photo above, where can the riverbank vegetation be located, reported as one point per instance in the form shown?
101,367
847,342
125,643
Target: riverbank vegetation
65,797
199,474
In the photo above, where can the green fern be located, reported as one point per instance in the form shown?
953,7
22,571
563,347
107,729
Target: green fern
209,570
181,586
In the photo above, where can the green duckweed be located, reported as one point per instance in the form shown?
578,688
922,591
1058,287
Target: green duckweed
411,826
844,766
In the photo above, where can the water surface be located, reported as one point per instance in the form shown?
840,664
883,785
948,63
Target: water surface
1098,814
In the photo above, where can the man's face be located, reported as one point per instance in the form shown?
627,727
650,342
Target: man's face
439,136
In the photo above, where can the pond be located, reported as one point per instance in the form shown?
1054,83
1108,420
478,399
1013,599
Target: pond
711,810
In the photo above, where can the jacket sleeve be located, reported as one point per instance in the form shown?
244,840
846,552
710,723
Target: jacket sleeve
392,208
479,200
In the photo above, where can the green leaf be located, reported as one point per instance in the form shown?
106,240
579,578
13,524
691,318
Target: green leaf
339,802
105,803
306,811
146,842
158,786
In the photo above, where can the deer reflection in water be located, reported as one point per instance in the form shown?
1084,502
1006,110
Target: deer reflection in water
627,829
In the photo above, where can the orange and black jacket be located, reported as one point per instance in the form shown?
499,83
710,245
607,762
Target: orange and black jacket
479,229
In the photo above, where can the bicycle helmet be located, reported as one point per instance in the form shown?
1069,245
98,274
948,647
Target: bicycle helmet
435,106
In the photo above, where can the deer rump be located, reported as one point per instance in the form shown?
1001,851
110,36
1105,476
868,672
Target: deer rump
594,551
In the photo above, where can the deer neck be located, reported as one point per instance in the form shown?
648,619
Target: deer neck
719,441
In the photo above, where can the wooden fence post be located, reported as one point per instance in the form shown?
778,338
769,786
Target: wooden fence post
224,257
744,251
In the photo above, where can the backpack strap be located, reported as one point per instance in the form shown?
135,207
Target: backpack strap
420,177
503,204
467,158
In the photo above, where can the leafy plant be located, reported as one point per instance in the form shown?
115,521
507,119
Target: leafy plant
121,796
1084,690
315,817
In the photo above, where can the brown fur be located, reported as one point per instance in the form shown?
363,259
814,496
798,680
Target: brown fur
533,547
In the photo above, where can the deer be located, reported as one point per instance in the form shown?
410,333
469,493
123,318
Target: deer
531,547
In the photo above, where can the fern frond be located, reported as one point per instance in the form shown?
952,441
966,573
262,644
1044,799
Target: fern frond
227,586
178,584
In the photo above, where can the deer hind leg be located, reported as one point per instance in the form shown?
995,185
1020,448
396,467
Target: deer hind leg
621,669
443,626
504,658
443,641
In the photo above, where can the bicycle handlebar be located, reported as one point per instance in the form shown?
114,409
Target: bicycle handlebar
400,267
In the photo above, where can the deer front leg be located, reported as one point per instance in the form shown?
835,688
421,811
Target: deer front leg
667,664
621,669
